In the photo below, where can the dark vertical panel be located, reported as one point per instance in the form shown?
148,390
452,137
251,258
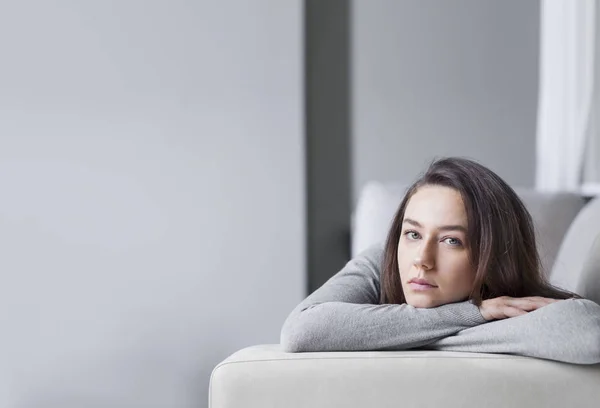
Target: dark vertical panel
327,70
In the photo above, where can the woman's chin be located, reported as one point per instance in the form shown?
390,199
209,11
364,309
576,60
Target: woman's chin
422,302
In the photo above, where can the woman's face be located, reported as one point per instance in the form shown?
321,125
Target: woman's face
433,252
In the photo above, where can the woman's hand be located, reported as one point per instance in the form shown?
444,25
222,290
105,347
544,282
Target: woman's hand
505,306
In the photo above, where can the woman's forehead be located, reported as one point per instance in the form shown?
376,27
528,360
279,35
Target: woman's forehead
433,206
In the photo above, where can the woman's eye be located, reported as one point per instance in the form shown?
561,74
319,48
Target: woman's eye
453,241
412,234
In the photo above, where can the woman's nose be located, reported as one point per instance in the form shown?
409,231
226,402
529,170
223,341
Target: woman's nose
425,257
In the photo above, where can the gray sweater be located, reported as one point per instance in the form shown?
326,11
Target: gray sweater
344,314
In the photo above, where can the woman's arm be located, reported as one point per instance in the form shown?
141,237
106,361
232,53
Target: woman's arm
567,331
344,314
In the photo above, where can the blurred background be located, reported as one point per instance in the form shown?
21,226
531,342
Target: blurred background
176,176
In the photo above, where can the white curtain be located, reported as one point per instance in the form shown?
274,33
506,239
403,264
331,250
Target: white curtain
566,98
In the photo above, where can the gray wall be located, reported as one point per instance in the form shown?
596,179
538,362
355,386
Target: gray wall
152,211
443,78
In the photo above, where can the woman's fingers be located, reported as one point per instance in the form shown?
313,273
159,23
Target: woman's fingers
505,307
511,311
527,303
544,299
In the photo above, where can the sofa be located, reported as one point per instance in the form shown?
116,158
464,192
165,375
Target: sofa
568,228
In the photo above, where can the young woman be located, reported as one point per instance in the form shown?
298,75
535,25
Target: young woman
459,271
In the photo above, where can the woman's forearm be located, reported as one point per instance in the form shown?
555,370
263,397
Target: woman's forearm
567,331
339,326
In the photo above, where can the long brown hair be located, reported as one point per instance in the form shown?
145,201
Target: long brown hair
501,235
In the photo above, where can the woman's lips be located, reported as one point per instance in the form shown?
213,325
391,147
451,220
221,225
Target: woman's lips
420,286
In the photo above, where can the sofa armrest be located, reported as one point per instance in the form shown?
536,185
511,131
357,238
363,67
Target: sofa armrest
264,376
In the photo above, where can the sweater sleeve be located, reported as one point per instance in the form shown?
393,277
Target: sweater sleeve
567,331
345,315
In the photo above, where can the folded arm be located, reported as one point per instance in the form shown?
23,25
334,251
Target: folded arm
567,331
345,314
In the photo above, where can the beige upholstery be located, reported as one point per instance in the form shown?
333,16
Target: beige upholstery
552,215
576,249
263,376
589,281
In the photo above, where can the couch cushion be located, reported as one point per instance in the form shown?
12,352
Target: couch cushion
375,209
264,376
576,248
589,283
552,214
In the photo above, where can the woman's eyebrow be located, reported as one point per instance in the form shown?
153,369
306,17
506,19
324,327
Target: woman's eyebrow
442,228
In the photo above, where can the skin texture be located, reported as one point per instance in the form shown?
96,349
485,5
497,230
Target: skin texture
433,246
